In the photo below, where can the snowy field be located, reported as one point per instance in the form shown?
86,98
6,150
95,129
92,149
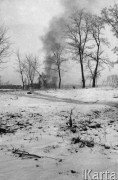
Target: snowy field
57,134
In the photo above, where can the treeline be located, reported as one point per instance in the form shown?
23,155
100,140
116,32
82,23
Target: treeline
79,36
10,86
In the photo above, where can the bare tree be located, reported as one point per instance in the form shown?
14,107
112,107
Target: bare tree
110,17
20,68
90,68
30,65
4,44
56,59
77,37
95,55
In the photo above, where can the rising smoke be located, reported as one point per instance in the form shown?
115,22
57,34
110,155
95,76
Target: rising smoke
56,29
54,34
50,40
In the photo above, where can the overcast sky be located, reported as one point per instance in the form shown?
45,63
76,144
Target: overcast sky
28,20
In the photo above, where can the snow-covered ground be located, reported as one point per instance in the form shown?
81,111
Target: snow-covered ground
56,134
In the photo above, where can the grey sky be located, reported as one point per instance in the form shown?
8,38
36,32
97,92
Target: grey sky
29,19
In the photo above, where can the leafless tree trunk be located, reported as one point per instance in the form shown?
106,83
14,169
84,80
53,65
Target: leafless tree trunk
56,58
77,37
20,68
95,57
59,71
30,66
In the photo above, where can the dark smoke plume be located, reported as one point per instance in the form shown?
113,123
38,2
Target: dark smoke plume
56,30
50,41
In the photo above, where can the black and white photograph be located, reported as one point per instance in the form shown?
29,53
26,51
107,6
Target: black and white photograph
58,89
